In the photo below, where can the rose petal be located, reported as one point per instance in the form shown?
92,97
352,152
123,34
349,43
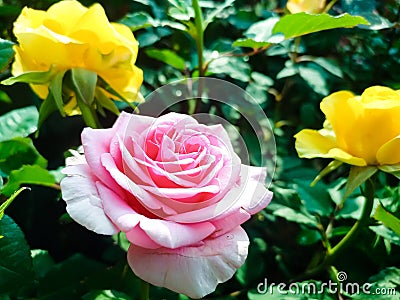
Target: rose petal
312,144
194,271
174,235
83,202
97,141
388,153
164,233
250,195
144,197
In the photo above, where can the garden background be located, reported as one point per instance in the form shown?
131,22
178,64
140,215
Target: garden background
44,254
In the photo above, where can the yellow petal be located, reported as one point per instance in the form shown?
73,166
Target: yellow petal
310,6
359,129
345,157
312,144
96,22
29,18
125,82
66,14
380,97
389,153
42,90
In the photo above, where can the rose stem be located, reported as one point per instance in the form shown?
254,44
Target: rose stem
198,19
349,237
144,290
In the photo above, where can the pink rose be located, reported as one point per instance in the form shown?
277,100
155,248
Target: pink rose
178,191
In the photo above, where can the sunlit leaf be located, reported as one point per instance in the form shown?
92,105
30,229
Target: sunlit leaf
167,56
18,123
27,175
357,176
42,262
18,152
299,24
259,34
6,53
31,77
387,218
84,84
368,10
7,203
333,165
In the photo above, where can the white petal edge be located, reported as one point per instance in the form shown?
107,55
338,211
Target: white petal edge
83,202
194,271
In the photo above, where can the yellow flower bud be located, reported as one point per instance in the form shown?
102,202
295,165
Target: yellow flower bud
359,130
69,35
310,6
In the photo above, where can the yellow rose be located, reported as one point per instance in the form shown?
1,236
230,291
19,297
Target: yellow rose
310,6
69,35
359,130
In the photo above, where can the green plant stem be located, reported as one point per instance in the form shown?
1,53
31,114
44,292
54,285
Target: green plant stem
198,20
333,253
144,290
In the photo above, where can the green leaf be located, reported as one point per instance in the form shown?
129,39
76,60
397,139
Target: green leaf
28,175
5,204
216,11
47,107
316,199
56,94
42,77
121,240
235,67
368,10
4,97
352,208
19,122
180,10
106,295
296,216
329,65
262,80
64,281
333,165
387,218
9,10
259,34
299,24
42,262
392,169
103,101
138,20
357,176
16,262
85,84
167,56
18,152
88,114
383,286
314,77
6,53
386,233
308,237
